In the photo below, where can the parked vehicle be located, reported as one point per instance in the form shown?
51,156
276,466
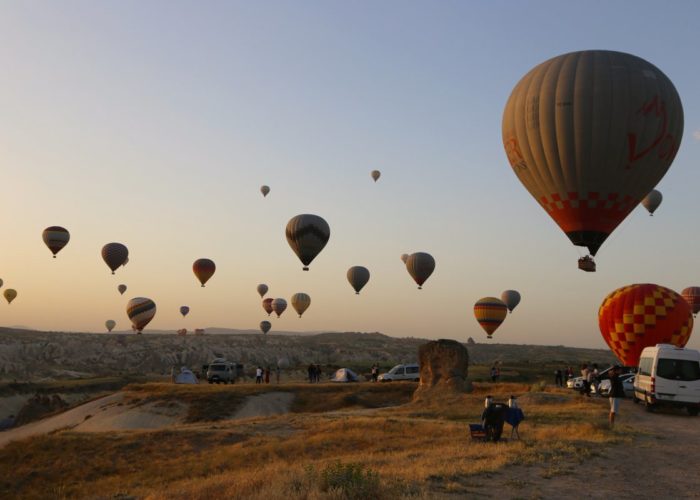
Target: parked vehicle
627,384
575,383
220,370
668,375
401,372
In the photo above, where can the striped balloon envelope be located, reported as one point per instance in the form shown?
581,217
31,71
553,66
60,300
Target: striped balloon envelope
279,305
490,313
420,266
358,276
203,269
115,255
300,302
140,311
55,237
307,235
692,297
637,316
267,305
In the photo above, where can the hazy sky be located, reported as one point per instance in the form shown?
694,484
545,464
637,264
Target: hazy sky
155,123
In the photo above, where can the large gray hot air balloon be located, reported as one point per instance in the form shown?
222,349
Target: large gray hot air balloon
265,326
278,305
358,277
307,234
376,174
55,237
420,266
652,201
262,289
510,298
589,134
140,311
300,302
110,324
115,255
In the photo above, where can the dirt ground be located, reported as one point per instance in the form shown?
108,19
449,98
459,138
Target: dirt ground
662,462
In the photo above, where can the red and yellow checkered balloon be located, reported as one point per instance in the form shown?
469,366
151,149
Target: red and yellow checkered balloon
637,316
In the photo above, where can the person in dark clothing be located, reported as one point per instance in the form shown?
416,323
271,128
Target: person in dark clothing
493,418
558,378
311,371
617,392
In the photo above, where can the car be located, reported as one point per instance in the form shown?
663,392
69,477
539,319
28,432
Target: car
627,384
220,370
402,372
575,383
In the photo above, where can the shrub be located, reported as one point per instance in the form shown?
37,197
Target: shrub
352,481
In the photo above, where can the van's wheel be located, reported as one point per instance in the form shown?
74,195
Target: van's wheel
693,411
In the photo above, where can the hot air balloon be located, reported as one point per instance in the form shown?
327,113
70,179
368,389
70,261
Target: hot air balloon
652,201
114,255
589,134
637,316
404,257
420,266
264,190
262,289
358,277
279,305
184,310
122,289
490,313
110,324
267,305
265,326
307,234
10,295
692,297
376,174
140,311
203,270
511,298
55,237
1,283
300,303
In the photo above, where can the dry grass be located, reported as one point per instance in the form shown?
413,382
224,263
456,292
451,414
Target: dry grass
418,449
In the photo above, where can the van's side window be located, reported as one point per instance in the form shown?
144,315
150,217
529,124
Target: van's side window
678,369
411,369
645,365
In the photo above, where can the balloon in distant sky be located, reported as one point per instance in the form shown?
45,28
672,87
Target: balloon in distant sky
692,297
511,298
279,305
420,266
376,174
652,201
264,190
490,313
262,289
358,277
307,234
122,289
404,257
267,305
114,255
140,311
55,237
110,324
589,134
300,302
637,316
203,270
265,326
184,310
10,295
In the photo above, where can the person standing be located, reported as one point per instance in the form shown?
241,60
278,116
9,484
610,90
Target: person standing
267,375
258,375
558,379
311,369
318,373
375,372
277,373
617,392
494,373
585,380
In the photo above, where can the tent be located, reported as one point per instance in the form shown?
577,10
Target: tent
345,375
186,377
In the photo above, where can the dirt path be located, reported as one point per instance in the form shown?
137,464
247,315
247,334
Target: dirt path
662,462
264,405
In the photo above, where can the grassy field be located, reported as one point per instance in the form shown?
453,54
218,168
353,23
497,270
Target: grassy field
339,441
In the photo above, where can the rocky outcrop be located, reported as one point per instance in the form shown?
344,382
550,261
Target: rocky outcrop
444,365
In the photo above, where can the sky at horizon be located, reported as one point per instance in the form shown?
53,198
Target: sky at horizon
155,123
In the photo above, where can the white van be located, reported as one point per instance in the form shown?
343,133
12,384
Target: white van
668,375
401,372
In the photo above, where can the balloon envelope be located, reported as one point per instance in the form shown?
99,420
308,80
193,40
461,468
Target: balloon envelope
279,305
267,305
265,326
184,310
122,289
420,266
110,324
203,269
652,201
404,257
307,234
637,316
10,294
589,134
490,313
55,237
358,277
140,311
262,289
376,174
300,303
511,298
692,297
264,190
114,255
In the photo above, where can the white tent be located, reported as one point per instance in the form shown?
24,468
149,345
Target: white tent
186,377
345,375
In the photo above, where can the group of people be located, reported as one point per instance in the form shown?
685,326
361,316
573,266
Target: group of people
561,375
264,375
314,373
